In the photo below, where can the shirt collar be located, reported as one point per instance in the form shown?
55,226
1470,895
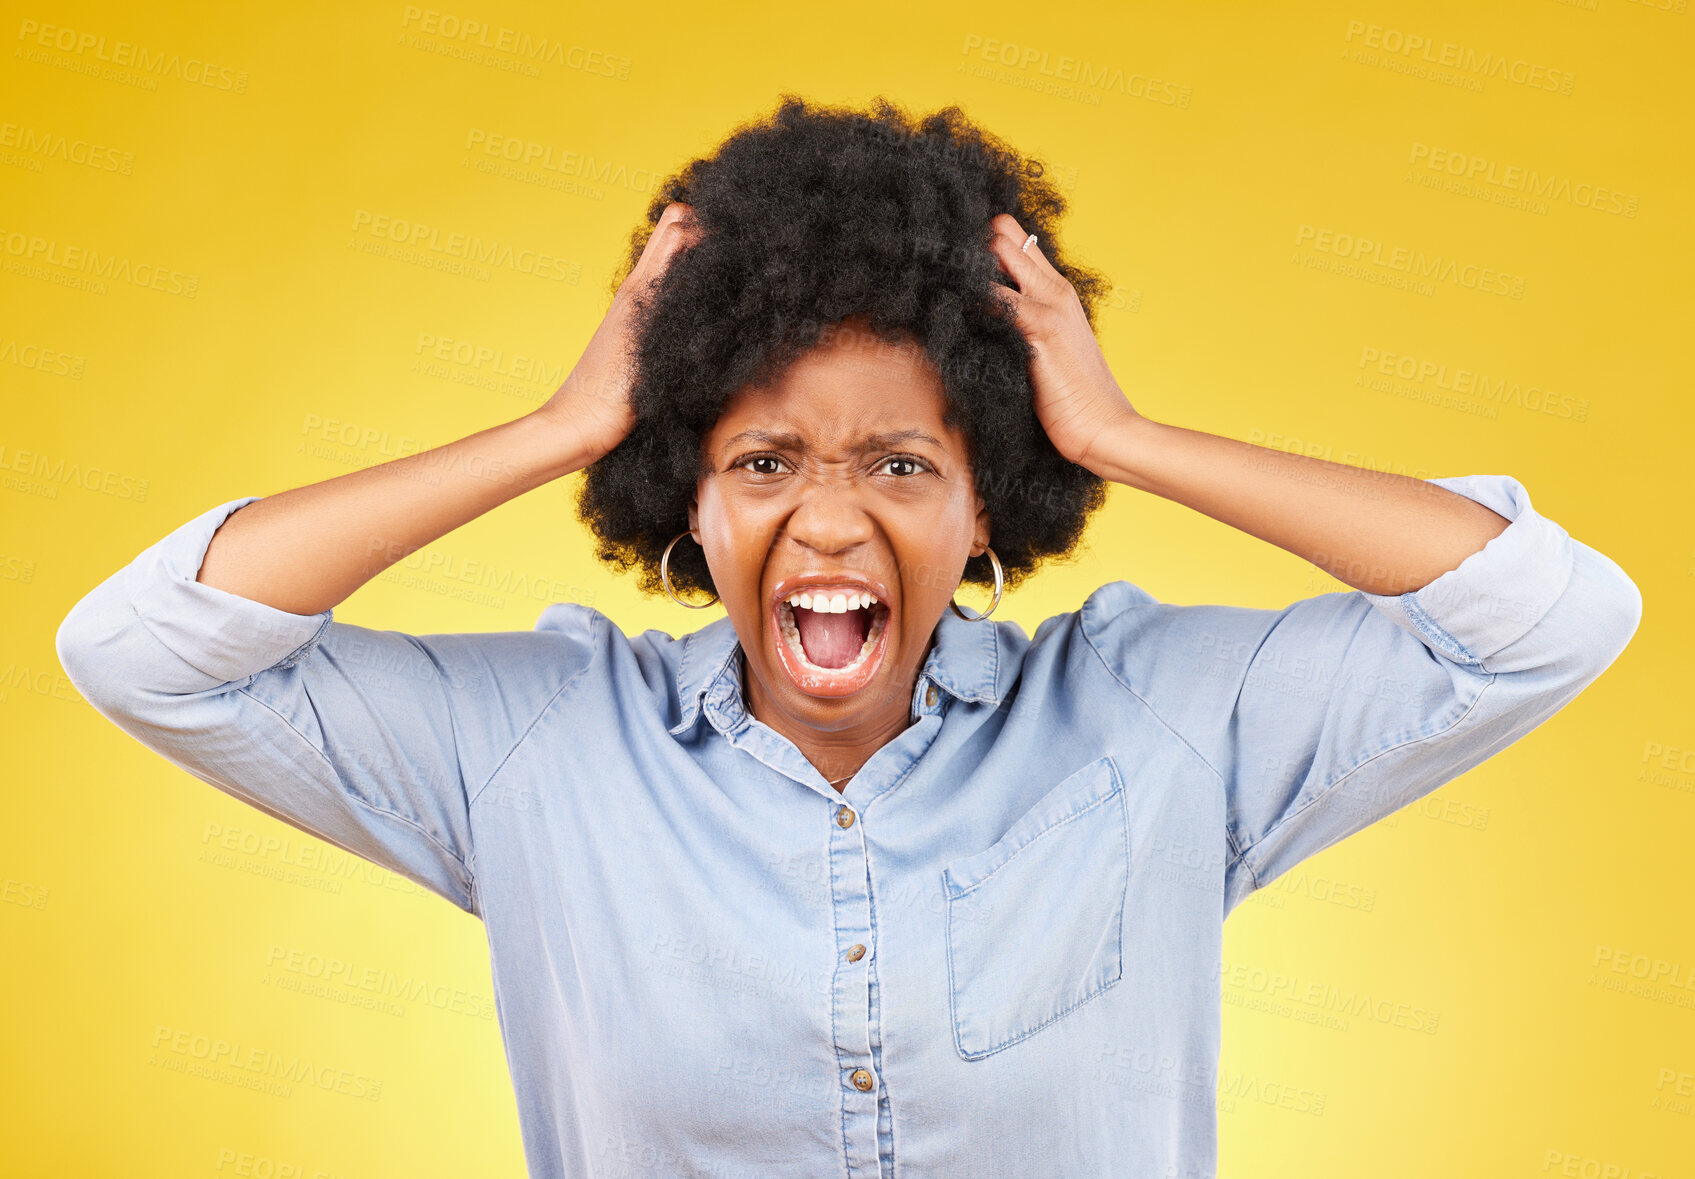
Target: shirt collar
967,661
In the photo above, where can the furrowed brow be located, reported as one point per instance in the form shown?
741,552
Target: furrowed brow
878,441
895,437
791,441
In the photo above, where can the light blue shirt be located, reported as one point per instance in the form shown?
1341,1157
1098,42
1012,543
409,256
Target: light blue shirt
995,954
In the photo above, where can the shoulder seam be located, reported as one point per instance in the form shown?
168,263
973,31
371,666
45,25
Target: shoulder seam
1239,853
1082,625
597,622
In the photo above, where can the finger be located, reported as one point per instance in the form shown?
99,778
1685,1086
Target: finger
655,239
1017,266
1027,265
676,220
686,228
676,229
681,215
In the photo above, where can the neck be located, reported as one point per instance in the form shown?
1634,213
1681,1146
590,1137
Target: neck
837,755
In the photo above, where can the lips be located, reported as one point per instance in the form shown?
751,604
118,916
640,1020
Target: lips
802,672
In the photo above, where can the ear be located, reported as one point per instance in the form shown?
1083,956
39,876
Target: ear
980,539
694,516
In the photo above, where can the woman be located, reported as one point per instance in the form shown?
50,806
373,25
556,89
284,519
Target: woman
854,878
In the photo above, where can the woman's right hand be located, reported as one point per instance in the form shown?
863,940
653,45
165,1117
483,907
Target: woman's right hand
593,406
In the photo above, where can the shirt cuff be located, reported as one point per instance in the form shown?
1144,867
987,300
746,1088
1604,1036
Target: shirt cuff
222,635
1496,594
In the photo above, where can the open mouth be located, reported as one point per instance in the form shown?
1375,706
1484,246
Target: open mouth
830,640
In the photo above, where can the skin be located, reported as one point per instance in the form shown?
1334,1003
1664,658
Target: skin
828,504
832,506
1376,531
833,500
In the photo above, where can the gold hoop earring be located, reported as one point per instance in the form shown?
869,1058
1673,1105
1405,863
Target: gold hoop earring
996,562
665,575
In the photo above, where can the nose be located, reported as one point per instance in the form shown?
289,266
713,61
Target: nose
829,517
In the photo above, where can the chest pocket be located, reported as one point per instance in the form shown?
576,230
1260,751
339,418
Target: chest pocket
1035,921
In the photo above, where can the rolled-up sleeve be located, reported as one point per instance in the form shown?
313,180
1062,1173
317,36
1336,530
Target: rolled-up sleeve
215,636
1338,710
1488,611
372,740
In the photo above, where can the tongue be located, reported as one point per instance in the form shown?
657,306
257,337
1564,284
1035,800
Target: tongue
832,640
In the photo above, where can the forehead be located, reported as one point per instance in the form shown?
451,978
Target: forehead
850,384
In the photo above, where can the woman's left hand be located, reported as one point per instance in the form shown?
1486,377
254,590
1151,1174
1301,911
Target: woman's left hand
1076,396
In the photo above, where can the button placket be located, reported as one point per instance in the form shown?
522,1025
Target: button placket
851,1016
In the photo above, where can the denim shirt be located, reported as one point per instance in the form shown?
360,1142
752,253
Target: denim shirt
995,953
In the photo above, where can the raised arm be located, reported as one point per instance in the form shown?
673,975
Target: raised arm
217,649
1335,711
1472,620
307,549
1373,530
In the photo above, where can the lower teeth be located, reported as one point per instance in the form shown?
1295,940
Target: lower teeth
791,634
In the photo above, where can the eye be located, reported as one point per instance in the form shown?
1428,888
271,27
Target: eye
908,459
760,458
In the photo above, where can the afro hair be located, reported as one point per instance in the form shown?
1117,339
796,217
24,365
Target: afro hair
809,218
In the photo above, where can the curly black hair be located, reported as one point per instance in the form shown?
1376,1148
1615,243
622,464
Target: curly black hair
811,217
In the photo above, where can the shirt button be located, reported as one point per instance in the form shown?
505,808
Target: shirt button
862,1080
930,695
855,952
844,816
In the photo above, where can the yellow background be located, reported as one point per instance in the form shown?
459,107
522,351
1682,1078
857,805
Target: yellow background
1203,142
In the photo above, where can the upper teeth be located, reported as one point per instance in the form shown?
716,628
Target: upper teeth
832,603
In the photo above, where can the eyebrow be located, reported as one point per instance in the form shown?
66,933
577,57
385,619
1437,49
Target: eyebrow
878,441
